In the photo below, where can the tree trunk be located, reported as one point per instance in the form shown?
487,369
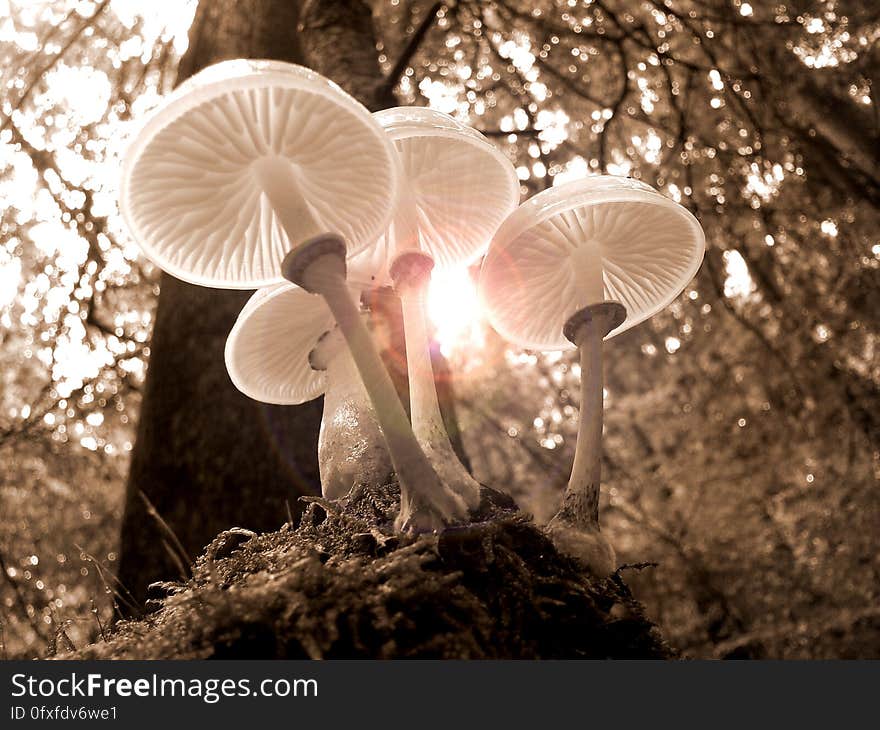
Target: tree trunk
207,457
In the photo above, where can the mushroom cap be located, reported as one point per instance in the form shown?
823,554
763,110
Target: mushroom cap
462,185
369,268
650,248
189,194
267,352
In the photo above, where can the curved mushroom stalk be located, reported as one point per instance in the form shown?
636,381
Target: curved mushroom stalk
411,273
318,265
575,528
351,448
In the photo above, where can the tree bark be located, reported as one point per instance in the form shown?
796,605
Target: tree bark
207,457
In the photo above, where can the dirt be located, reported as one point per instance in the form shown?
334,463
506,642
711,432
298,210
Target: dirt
343,585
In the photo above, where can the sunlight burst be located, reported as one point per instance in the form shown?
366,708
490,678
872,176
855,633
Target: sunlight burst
454,310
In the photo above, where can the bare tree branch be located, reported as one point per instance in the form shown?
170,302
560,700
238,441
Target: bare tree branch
409,51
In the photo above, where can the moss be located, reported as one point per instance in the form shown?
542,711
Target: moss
341,585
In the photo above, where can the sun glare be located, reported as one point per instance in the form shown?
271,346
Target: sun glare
454,310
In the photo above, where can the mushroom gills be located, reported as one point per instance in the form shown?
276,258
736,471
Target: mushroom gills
193,190
280,183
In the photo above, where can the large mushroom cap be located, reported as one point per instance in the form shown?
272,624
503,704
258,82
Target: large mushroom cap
267,352
462,186
532,279
190,194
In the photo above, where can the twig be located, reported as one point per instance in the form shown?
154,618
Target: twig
327,505
637,566
516,132
399,68
60,632
154,513
95,613
176,559
128,599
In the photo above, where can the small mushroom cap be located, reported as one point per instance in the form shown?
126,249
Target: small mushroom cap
190,193
462,185
531,282
267,352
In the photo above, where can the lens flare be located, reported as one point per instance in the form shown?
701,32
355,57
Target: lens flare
454,310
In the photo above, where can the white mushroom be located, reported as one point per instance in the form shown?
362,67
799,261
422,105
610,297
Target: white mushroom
257,170
285,349
575,264
456,189
246,160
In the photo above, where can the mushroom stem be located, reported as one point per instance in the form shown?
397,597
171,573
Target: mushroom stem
412,273
351,449
581,499
575,527
318,265
278,181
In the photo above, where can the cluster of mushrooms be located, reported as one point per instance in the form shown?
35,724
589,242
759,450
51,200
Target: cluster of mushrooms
265,175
